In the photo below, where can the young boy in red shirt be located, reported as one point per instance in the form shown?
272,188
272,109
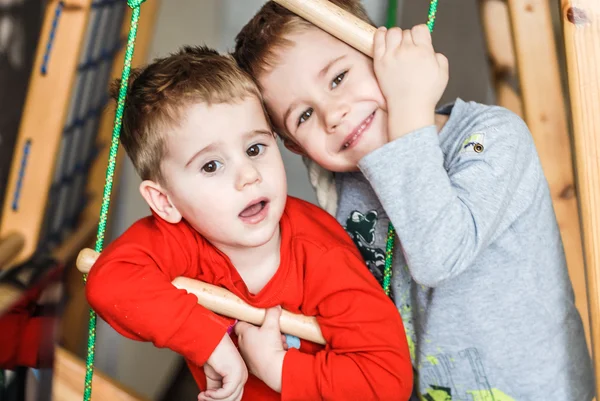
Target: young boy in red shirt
196,131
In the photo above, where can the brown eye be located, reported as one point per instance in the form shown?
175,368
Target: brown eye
255,150
338,80
210,167
305,116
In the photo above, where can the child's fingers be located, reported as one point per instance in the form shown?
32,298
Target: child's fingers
212,384
284,342
241,327
407,38
379,43
442,62
235,396
203,397
393,38
229,391
271,321
421,35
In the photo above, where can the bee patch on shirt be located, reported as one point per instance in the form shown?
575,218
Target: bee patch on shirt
473,144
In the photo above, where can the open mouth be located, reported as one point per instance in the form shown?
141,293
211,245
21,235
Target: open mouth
255,212
356,134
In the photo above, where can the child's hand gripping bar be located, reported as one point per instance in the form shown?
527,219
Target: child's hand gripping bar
223,302
336,21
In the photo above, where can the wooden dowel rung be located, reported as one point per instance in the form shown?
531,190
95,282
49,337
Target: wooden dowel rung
10,246
223,302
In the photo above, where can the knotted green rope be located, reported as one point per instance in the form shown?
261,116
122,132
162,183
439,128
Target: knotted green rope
389,243
110,171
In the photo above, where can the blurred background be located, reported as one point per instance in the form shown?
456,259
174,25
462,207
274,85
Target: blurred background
34,61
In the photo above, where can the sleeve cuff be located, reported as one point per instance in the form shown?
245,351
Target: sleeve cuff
409,148
299,380
30,341
213,329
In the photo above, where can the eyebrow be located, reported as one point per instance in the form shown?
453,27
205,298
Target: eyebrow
205,149
215,145
324,71
256,132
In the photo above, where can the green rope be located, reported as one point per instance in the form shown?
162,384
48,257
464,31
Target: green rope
392,11
389,244
431,14
389,256
110,171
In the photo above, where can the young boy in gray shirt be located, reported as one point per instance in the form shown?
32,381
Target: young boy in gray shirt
479,271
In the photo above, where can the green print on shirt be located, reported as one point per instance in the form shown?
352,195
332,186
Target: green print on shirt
437,393
361,228
457,377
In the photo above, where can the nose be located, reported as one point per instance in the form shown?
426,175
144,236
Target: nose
335,113
247,175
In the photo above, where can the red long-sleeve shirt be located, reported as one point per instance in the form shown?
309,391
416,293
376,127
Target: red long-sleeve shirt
321,274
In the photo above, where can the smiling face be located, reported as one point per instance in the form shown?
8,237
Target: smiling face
324,94
224,173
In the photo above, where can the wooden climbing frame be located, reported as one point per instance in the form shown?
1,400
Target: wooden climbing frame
528,79
58,168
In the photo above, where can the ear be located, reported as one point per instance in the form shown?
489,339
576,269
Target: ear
157,198
293,147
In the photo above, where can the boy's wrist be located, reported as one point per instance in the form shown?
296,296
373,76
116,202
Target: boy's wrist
405,119
274,371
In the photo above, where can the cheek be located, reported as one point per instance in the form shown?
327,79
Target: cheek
369,86
199,196
276,169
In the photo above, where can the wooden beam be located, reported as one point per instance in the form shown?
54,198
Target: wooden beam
581,25
68,383
43,120
545,114
148,14
498,36
10,246
76,311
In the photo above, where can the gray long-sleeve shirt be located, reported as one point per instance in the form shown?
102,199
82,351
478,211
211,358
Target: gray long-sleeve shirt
480,277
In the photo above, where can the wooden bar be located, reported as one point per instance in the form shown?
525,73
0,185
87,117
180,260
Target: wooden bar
42,124
498,36
97,175
83,235
9,295
544,112
226,303
69,374
581,25
336,21
10,246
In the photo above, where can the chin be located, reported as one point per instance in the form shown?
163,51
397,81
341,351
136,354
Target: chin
261,236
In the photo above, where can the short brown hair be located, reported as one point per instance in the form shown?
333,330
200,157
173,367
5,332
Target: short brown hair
158,93
259,40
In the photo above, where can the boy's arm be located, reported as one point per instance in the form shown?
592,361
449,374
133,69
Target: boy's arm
130,288
445,219
367,355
